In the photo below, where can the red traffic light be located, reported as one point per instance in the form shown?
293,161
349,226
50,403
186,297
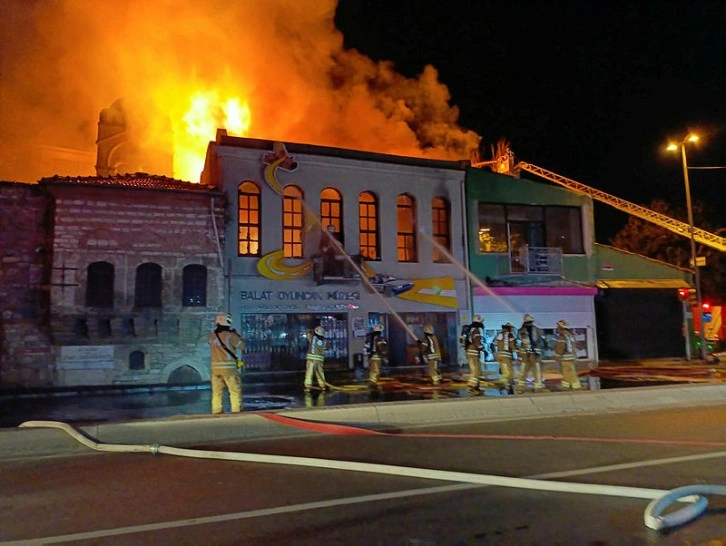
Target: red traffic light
683,294
706,306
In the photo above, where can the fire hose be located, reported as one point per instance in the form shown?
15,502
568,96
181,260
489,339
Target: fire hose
654,518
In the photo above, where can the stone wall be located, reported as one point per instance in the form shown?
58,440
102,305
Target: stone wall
51,232
25,352
128,227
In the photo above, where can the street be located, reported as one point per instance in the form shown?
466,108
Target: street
135,498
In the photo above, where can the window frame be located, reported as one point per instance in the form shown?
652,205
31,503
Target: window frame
519,214
194,285
365,232
148,286
293,222
406,239
441,228
100,280
249,230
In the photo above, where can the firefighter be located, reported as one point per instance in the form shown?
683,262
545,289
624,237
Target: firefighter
504,345
431,353
314,359
376,348
224,343
531,342
473,341
566,356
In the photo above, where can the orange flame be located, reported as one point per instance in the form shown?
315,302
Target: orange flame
206,113
271,69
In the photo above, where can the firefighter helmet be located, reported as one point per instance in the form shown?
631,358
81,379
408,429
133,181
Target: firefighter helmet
319,331
507,326
562,324
428,329
223,319
378,328
528,318
478,318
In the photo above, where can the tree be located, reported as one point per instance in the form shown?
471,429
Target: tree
648,239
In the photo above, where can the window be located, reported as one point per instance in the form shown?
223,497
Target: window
99,284
441,229
249,215
331,211
492,228
368,225
292,222
148,285
137,360
406,240
194,292
564,229
509,227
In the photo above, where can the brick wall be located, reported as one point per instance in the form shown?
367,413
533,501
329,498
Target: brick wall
50,233
25,352
128,227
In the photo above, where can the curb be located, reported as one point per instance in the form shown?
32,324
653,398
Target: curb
207,429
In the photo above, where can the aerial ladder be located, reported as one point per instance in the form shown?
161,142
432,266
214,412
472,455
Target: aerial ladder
504,163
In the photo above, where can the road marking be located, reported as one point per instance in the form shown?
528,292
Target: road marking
628,466
466,480
240,515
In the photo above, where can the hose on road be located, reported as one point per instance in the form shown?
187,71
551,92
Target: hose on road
653,518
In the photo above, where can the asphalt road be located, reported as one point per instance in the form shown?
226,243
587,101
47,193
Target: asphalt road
135,498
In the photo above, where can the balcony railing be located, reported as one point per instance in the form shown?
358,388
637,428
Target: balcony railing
536,260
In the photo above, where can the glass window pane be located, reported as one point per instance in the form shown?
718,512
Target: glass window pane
492,228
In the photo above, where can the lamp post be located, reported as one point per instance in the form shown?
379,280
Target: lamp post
696,272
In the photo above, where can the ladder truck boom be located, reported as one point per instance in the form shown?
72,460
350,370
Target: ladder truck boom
644,213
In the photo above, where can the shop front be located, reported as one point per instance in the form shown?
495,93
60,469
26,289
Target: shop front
575,304
275,323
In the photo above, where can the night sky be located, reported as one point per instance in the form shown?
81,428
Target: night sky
590,90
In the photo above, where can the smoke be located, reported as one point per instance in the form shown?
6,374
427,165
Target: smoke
64,61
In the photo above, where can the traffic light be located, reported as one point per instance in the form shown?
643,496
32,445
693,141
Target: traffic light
688,295
706,311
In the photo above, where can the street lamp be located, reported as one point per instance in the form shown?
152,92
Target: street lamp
696,272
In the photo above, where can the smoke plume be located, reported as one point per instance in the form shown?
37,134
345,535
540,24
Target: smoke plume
275,68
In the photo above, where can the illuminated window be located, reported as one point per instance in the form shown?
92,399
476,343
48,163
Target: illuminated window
331,211
194,281
502,227
368,225
99,284
440,218
406,240
249,214
148,285
292,222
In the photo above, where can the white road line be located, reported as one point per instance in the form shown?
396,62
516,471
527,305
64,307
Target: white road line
485,480
239,515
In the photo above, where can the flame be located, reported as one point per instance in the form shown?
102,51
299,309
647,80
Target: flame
207,112
269,69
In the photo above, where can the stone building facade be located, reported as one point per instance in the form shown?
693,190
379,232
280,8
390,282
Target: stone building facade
24,273
109,280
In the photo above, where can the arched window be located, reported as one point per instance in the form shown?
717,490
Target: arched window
249,230
137,360
194,292
441,229
148,285
370,247
406,240
293,222
331,211
99,284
